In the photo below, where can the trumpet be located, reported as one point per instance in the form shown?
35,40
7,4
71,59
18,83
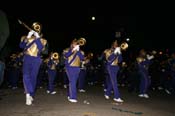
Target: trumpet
81,41
55,56
124,46
36,26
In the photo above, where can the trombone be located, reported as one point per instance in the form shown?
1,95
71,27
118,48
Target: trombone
36,26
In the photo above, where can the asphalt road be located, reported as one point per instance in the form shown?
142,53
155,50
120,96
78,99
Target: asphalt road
12,103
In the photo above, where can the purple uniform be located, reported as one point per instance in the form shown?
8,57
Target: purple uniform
112,68
31,63
72,65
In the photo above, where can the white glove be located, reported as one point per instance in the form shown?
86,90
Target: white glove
36,35
117,50
149,57
163,70
30,34
77,48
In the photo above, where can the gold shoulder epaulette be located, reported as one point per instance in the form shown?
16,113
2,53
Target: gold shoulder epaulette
107,50
43,41
65,50
82,52
23,37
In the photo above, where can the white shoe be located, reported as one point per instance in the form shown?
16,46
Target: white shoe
141,95
31,98
82,90
13,88
40,87
54,92
48,91
146,95
28,100
154,89
167,91
118,100
65,86
107,97
73,100
160,88
68,97
104,90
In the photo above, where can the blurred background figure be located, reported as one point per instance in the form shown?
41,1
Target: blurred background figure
52,71
144,61
4,34
13,70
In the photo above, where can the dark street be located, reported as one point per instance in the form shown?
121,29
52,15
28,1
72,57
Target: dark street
13,103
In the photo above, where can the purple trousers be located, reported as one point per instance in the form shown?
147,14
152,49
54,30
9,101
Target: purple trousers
51,76
73,74
106,81
144,82
65,78
112,84
31,67
81,79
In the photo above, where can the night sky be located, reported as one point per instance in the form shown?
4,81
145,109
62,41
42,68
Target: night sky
63,22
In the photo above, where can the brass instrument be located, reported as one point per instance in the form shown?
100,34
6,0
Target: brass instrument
124,64
55,56
124,46
13,56
90,55
36,26
140,59
81,41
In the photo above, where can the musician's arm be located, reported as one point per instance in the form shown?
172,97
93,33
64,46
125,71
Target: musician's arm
81,54
68,53
120,59
23,42
111,57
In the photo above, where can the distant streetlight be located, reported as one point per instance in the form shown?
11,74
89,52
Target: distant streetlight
93,18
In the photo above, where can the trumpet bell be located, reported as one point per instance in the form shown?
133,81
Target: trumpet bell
55,56
124,46
82,41
36,26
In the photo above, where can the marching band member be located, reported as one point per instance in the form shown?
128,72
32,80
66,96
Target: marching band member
113,57
73,57
33,45
52,71
104,68
143,64
14,70
81,79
